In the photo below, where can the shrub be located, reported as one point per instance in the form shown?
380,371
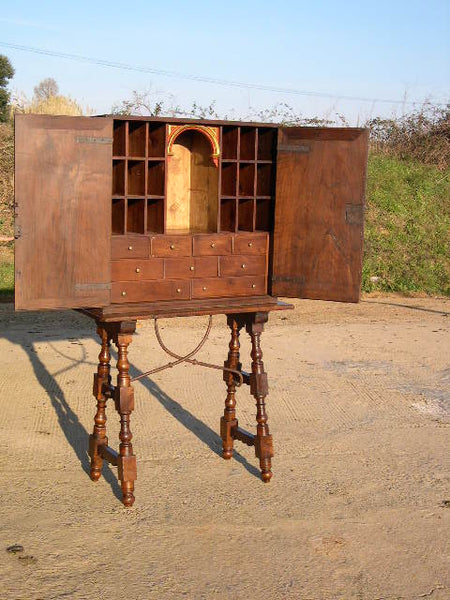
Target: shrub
6,179
423,135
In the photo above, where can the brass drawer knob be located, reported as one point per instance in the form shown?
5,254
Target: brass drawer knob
213,244
178,290
204,288
124,293
250,244
172,246
130,247
138,270
253,285
191,268
243,266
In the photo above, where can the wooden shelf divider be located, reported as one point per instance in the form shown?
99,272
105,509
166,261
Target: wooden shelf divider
246,179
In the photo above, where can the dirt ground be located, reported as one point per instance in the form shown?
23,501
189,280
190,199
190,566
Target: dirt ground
359,505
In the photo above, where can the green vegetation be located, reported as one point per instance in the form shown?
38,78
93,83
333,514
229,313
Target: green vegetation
6,279
407,227
6,73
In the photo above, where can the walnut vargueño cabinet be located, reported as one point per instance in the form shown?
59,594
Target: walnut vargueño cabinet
130,218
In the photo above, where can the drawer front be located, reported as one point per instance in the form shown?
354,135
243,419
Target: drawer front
149,291
172,245
129,247
226,287
250,243
137,270
187,268
238,266
212,245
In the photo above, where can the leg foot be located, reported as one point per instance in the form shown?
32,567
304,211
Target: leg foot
102,377
127,476
127,494
259,389
124,399
264,451
229,421
226,428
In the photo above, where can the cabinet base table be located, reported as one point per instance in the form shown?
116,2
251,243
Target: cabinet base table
118,323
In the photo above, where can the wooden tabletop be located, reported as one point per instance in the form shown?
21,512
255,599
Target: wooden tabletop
186,308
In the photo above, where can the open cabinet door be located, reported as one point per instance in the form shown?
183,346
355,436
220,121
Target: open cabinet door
319,210
63,186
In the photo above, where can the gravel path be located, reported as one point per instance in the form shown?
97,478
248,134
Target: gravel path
359,505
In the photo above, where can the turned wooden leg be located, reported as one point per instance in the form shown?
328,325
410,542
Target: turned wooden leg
98,437
259,389
124,398
228,422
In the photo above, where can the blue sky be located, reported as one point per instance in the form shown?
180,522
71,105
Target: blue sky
366,49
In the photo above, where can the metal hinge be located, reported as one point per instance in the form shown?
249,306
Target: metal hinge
301,148
298,280
93,140
354,214
92,286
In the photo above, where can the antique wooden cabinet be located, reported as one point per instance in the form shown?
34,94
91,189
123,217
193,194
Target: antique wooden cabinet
130,218
113,211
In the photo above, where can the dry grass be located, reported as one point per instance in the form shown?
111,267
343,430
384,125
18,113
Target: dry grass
6,179
422,135
52,105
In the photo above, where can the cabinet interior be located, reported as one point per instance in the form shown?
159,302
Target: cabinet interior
187,191
192,185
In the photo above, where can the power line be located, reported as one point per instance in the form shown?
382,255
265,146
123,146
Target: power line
203,79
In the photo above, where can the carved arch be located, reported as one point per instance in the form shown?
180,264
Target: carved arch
211,133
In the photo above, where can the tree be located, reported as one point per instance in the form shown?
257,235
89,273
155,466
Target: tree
6,73
48,101
45,89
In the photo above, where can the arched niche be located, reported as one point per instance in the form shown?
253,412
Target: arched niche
192,183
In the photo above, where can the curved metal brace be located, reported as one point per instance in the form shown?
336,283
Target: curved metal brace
187,357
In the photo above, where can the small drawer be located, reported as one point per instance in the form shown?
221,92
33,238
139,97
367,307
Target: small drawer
172,245
188,268
137,270
225,287
238,266
129,247
211,245
250,243
149,291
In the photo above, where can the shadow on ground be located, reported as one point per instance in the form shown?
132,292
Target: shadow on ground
408,306
44,332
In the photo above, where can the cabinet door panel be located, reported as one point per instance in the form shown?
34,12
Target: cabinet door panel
63,211
318,236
